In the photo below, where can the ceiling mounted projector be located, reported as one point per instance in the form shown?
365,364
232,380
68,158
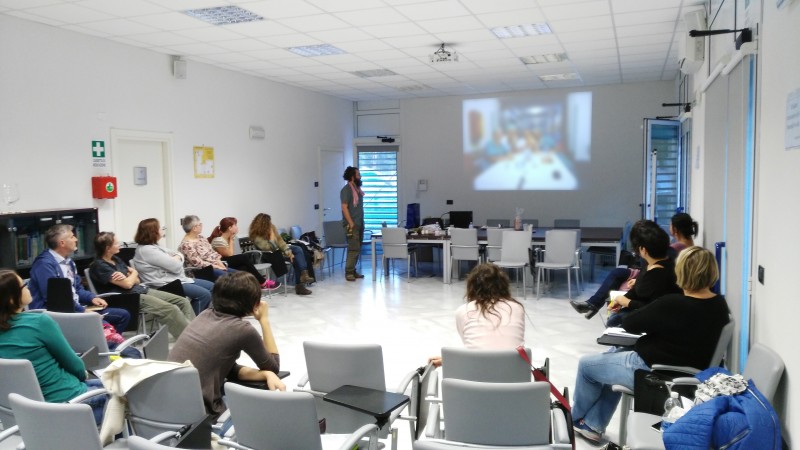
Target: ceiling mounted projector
443,55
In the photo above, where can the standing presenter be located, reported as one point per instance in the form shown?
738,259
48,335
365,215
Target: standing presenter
352,198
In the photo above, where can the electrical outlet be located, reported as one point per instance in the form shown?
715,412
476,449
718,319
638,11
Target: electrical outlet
449,202
761,274
316,206
316,184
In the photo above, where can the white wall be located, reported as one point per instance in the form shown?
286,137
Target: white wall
431,149
774,305
53,84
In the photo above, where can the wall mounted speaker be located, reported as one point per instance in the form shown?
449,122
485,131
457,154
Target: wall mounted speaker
693,51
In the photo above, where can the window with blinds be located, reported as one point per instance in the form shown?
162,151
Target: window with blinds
665,174
379,182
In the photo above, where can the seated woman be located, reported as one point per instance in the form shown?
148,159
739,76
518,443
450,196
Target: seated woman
642,286
37,338
214,340
110,274
266,238
196,250
683,230
491,318
682,330
221,240
158,266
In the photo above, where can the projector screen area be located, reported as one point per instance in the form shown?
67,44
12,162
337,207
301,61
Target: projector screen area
527,143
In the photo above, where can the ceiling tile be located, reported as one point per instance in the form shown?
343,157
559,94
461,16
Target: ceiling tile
515,17
119,27
170,21
280,9
209,34
318,22
451,24
368,17
123,8
393,30
576,10
433,10
69,13
644,17
580,25
622,6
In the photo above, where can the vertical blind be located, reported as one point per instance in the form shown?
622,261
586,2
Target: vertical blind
379,183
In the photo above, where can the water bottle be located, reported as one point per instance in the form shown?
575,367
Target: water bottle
669,417
470,225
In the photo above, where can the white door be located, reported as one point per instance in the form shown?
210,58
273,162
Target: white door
331,169
147,197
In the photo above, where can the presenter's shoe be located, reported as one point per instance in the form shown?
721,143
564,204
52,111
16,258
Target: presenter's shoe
350,277
358,275
587,433
300,289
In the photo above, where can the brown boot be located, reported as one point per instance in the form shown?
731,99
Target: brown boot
300,289
306,278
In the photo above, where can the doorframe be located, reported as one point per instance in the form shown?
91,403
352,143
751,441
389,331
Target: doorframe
167,143
321,189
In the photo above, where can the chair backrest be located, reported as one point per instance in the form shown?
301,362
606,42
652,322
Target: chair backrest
334,233
333,365
295,231
18,378
89,282
394,242
495,366
515,246
83,331
765,368
534,222
725,337
59,295
179,389
503,223
464,244
501,414
157,347
270,420
47,425
560,246
494,243
566,223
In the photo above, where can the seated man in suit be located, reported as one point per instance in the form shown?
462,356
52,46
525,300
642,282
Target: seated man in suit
55,262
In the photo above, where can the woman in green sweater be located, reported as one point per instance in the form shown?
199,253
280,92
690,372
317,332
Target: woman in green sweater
37,338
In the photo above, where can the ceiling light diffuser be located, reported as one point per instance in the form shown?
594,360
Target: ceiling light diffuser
516,31
223,15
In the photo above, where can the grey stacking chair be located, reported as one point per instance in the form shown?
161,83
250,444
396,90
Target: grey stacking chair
84,331
250,249
65,422
180,389
140,443
764,367
269,420
395,246
331,366
498,223
720,351
560,254
19,378
515,254
295,231
566,223
463,246
496,415
335,238
494,244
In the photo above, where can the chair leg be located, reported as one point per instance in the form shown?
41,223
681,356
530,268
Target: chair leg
625,406
538,280
569,285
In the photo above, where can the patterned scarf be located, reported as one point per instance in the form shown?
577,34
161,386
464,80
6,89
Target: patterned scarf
356,193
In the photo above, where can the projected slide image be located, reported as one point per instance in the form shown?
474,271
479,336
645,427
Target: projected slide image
527,143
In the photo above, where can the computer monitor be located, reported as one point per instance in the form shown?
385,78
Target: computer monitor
460,219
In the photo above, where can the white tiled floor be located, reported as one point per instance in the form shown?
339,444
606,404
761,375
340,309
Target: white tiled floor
412,321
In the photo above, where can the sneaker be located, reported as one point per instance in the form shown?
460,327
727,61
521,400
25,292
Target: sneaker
271,285
586,432
350,277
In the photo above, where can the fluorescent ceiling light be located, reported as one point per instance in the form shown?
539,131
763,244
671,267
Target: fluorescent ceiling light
413,88
316,50
373,73
223,15
516,31
560,77
543,59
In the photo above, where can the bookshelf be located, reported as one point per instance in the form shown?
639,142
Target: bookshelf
22,236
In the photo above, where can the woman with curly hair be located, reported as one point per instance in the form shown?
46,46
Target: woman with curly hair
266,238
491,318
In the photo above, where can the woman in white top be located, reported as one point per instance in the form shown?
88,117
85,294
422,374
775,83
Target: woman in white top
491,318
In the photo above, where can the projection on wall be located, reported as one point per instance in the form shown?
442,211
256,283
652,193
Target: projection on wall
527,143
